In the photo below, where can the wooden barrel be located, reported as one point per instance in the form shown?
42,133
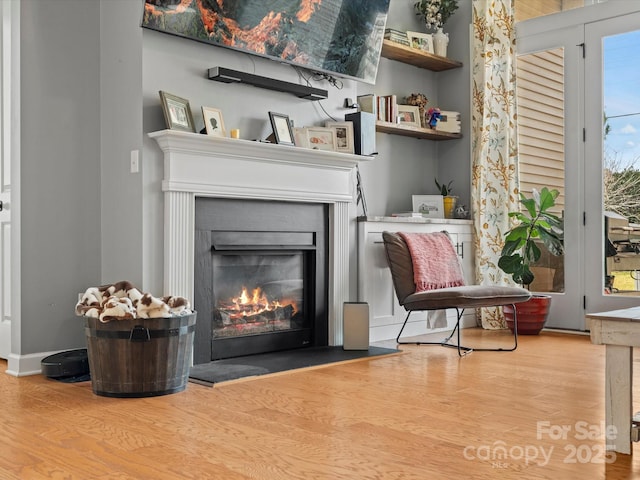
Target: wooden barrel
140,357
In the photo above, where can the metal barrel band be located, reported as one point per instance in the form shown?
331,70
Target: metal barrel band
139,333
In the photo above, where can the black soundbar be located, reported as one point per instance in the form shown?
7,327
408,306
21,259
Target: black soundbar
226,75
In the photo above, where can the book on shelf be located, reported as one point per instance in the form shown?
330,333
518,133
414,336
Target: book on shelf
399,41
396,36
368,103
387,108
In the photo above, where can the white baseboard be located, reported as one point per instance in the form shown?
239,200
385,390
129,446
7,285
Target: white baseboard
23,365
417,327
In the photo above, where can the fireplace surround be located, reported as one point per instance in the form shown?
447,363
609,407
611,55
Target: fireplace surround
198,165
260,277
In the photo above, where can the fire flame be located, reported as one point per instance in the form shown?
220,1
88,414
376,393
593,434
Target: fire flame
257,302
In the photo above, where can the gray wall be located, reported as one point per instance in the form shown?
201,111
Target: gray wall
60,169
94,74
120,125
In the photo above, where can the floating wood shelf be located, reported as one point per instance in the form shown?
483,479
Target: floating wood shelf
413,56
415,132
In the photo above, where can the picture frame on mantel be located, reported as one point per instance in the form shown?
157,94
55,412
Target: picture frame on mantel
344,135
282,130
213,122
177,112
322,138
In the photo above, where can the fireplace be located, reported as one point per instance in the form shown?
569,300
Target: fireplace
260,277
202,166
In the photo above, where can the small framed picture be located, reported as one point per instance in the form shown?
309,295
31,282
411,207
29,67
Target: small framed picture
430,206
344,135
409,115
213,122
300,137
322,138
281,128
421,41
177,112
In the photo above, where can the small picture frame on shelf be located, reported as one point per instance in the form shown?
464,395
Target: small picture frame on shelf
409,115
282,131
322,138
177,112
421,41
430,206
213,122
344,135
300,137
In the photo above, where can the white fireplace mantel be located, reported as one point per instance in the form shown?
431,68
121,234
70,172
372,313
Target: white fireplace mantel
206,166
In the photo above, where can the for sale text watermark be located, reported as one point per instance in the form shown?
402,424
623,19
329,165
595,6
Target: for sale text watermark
579,431
500,454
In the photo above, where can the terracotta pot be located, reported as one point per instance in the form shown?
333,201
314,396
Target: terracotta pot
532,314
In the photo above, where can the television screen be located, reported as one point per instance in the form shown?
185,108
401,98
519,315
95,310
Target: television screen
341,37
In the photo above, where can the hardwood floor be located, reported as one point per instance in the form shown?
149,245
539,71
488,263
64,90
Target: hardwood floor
421,414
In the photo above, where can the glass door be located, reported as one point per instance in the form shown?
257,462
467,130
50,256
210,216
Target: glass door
550,150
612,163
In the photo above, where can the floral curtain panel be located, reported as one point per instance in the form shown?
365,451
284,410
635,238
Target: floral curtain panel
494,184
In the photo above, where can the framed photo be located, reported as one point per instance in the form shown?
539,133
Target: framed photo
344,135
409,115
430,206
300,137
421,41
177,112
213,122
322,138
281,128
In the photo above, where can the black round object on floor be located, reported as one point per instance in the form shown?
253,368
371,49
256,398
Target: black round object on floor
66,365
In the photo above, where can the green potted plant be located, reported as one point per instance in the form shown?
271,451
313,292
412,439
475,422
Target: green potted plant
448,199
536,228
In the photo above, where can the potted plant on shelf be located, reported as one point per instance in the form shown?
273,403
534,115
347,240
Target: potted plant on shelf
536,227
448,199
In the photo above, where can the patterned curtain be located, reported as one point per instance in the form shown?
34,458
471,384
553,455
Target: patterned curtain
494,184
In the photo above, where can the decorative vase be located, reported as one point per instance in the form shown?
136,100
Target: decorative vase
449,205
532,314
440,42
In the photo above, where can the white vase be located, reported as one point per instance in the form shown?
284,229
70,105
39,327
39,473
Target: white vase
440,42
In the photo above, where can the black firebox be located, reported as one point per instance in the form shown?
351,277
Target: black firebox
260,277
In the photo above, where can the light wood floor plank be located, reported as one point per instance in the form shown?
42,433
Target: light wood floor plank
421,414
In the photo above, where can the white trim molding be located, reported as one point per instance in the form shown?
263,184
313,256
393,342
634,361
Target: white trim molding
197,165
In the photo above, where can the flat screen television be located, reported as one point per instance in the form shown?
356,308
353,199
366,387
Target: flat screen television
334,37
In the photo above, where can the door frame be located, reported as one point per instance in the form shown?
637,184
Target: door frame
596,299
10,185
588,240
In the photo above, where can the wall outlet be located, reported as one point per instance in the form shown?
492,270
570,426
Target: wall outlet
135,161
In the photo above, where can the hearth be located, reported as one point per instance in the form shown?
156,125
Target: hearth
260,277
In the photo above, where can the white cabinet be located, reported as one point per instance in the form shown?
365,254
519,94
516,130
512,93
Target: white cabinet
374,278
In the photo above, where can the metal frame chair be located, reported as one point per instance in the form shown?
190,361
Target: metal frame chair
459,298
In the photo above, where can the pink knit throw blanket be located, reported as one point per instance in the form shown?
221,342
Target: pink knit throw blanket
435,261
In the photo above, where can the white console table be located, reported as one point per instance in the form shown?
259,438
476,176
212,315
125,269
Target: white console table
374,278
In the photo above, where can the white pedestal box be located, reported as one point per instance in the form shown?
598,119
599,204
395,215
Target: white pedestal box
356,326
